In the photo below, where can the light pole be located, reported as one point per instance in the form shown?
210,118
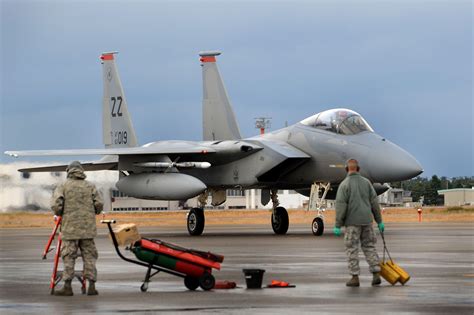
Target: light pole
262,123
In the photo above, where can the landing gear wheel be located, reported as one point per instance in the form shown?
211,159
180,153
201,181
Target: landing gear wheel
317,226
191,283
280,220
144,287
195,221
207,281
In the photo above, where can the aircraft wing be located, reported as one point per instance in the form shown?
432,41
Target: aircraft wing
218,152
107,163
161,148
93,166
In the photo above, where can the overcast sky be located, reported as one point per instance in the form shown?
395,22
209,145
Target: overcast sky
406,66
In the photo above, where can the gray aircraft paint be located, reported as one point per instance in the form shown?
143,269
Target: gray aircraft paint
161,186
218,117
118,131
290,158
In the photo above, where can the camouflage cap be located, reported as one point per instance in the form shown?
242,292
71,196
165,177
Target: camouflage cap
74,165
75,170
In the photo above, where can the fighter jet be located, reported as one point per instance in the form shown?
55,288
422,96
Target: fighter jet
311,151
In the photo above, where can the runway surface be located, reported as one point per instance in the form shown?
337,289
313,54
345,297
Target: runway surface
439,257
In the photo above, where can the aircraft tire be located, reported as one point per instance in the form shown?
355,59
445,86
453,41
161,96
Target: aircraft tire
207,281
195,221
280,221
191,283
317,227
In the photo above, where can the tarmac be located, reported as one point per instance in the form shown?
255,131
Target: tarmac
438,256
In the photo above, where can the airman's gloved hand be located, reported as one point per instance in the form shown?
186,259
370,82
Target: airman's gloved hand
337,231
381,227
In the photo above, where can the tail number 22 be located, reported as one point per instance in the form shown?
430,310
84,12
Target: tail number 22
119,106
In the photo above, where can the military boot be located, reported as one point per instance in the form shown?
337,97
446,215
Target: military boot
376,279
91,290
66,289
354,282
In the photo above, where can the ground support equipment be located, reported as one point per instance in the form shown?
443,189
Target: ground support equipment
193,265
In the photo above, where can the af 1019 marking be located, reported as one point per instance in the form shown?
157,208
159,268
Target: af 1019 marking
115,99
119,137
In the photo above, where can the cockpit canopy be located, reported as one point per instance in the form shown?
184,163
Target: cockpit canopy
340,120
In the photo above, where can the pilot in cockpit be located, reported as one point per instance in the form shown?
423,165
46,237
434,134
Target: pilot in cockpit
340,121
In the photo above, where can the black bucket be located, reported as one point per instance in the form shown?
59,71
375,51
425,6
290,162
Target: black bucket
254,278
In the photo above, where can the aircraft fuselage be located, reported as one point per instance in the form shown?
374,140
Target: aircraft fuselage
380,160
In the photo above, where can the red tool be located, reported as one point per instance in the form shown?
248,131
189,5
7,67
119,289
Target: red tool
56,276
225,284
280,284
51,237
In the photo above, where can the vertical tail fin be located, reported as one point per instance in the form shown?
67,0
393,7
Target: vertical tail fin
219,121
116,122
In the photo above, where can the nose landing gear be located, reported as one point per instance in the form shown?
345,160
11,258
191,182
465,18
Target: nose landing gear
318,203
317,227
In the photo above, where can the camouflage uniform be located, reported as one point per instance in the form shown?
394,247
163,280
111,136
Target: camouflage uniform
366,236
356,208
77,201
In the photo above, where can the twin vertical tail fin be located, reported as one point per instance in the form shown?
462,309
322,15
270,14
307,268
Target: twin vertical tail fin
219,122
117,125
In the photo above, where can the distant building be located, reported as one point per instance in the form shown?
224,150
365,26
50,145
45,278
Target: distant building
33,191
407,198
392,197
236,199
458,196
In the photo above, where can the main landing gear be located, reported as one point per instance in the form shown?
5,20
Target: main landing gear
318,203
196,219
280,221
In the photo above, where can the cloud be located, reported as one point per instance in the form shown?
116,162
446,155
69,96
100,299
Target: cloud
405,66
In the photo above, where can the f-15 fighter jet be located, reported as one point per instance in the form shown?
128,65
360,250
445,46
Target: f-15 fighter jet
311,151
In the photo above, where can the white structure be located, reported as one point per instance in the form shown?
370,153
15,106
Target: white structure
33,191
458,196
236,199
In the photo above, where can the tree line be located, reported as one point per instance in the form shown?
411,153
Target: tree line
426,190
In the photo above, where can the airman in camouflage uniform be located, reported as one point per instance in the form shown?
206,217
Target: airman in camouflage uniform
356,207
77,201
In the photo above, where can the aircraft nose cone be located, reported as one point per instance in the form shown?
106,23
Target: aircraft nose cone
390,163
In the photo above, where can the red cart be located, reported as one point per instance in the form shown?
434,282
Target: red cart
193,265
